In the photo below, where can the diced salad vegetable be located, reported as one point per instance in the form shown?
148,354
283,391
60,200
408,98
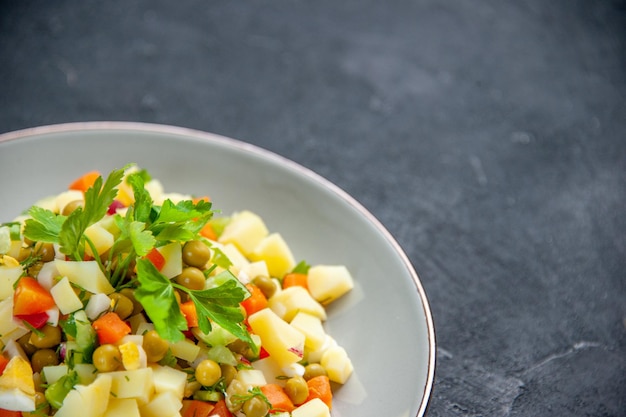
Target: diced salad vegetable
118,299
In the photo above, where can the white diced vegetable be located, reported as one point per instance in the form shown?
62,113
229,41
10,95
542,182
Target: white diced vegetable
97,304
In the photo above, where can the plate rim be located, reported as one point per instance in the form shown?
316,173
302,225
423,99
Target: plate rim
147,127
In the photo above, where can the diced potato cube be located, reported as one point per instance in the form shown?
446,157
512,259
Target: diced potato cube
164,404
255,269
87,400
337,364
7,323
169,379
271,370
288,302
85,274
136,321
284,343
137,384
311,327
276,253
251,378
8,276
64,296
238,259
245,230
101,238
122,407
329,282
313,408
185,349
173,254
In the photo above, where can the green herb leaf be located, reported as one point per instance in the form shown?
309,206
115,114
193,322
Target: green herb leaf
142,239
301,268
221,305
156,294
98,198
44,226
143,201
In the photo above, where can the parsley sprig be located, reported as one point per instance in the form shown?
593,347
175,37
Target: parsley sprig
142,228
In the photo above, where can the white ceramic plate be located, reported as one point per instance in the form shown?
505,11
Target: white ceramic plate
385,323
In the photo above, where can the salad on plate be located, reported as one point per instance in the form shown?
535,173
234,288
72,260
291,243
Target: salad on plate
119,299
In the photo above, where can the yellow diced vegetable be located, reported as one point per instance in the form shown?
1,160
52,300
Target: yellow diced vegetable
337,364
137,384
288,302
245,230
85,274
276,253
284,343
64,296
329,282
311,327
313,408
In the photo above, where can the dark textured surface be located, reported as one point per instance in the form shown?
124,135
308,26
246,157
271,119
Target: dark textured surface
488,136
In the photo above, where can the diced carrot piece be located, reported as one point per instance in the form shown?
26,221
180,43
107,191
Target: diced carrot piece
208,232
257,300
9,413
319,387
188,309
196,408
31,298
295,279
157,259
85,181
206,198
277,396
110,328
3,363
221,410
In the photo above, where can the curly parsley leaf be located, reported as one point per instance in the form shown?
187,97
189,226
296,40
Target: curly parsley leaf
98,198
143,201
156,293
221,305
181,221
44,225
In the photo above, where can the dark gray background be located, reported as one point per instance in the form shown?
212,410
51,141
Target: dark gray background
488,136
